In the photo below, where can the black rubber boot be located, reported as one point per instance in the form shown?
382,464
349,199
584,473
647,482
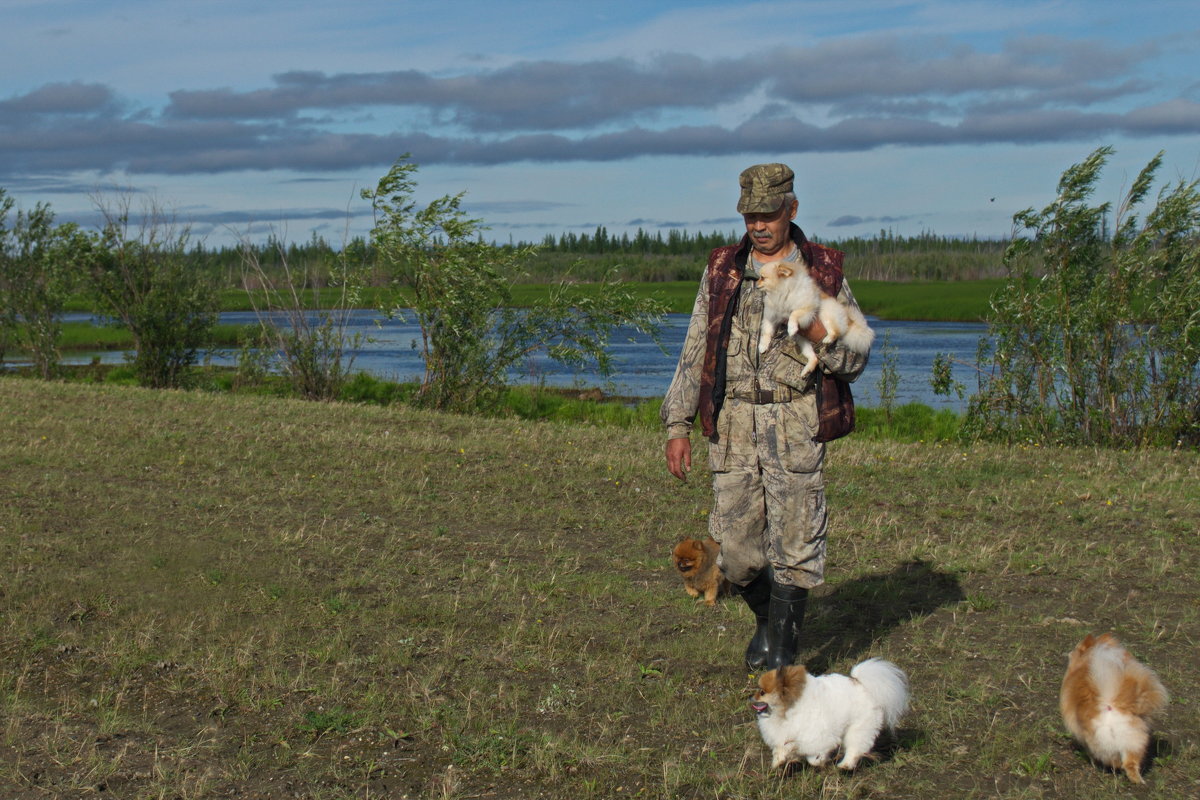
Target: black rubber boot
785,618
757,594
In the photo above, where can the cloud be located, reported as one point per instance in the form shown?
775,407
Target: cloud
71,98
845,95
850,221
260,217
536,95
512,206
559,95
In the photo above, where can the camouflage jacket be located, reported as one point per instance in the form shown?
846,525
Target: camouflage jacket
720,354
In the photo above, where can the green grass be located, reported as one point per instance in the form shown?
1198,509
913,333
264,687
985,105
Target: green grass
940,301
85,336
210,595
911,422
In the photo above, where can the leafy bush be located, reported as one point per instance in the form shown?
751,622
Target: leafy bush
38,271
460,289
1097,330
139,276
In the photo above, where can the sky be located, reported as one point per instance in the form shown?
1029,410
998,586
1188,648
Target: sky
249,119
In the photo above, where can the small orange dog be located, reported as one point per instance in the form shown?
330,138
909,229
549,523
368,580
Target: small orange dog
696,560
1107,700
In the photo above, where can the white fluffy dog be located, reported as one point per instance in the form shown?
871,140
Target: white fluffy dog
793,295
802,716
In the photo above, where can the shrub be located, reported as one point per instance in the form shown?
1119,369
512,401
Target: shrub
302,331
460,289
140,277
1097,330
38,271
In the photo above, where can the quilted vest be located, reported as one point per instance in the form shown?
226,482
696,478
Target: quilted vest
726,266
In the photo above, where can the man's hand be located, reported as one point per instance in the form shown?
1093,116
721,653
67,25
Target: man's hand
815,332
679,457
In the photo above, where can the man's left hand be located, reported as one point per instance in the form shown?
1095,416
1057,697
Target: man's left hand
814,332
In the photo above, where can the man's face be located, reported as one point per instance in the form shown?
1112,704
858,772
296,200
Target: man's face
769,232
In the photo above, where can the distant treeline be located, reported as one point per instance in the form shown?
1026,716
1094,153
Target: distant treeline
680,255
643,256
677,242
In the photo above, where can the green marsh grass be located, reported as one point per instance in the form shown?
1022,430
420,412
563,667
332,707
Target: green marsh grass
414,604
952,300
935,301
85,336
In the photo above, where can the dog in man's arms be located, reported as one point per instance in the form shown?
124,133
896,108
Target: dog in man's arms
792,295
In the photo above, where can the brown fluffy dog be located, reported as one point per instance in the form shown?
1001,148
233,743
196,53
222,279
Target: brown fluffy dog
696,560
1107,700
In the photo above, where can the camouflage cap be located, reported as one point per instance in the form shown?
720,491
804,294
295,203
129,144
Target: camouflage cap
763,188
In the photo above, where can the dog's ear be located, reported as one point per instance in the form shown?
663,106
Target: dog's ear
786,677
785,271
791,683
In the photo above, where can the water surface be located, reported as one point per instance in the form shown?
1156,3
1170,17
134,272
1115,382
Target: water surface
391,351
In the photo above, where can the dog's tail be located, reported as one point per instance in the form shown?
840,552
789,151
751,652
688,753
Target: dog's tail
859,335
1125,682
887,685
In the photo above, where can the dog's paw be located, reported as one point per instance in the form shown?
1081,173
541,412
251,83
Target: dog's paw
849,762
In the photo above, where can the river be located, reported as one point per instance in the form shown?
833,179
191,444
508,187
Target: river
391,351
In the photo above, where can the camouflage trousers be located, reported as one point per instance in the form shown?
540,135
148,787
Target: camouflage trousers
769,493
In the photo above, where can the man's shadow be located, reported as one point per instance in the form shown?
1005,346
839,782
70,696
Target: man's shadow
855,614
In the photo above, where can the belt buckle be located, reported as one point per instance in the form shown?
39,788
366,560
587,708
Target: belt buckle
763,396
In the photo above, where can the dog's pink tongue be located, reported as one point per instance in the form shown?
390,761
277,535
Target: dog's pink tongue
758,707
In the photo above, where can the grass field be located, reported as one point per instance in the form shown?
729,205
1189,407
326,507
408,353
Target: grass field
212,596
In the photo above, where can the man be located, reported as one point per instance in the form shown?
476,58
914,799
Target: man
760,416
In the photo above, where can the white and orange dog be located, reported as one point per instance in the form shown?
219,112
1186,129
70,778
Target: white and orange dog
802,716
792,295
1107,700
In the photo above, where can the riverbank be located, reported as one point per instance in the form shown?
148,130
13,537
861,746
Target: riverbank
908,422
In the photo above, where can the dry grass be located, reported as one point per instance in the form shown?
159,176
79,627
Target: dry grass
219,596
